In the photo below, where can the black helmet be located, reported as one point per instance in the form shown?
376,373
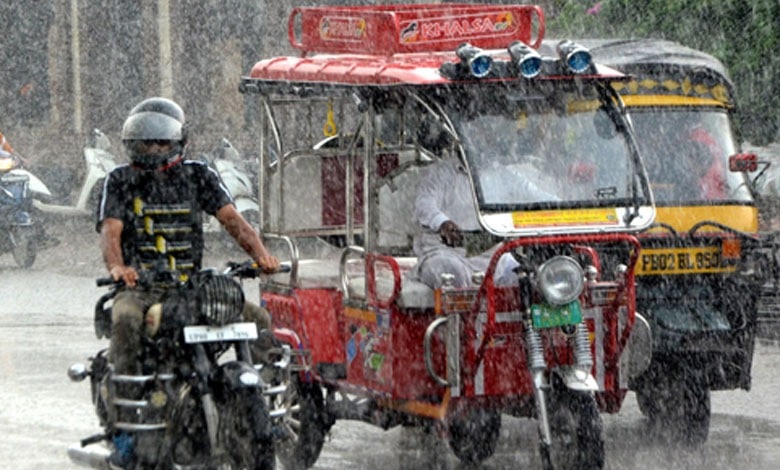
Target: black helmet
154,119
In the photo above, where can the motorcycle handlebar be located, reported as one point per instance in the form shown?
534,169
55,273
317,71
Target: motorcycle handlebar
250,269
107,281
247,269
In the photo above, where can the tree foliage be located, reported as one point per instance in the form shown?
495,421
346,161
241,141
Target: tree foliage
743,34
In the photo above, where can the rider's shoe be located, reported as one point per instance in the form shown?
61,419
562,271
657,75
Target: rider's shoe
123,451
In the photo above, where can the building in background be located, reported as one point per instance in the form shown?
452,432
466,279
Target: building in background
69,66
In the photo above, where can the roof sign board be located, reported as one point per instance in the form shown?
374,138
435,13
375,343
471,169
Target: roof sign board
392,29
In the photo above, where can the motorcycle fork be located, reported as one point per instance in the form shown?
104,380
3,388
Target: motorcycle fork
203,368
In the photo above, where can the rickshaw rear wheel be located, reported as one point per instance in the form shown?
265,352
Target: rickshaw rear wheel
576,429
474,434
305,426
677,407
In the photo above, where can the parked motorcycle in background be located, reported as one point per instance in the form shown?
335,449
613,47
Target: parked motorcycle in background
18,231
199,401
227,161
99,161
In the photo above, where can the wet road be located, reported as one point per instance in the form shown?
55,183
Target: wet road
46,324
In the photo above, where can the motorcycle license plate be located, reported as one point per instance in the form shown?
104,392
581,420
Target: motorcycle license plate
550,316
210,334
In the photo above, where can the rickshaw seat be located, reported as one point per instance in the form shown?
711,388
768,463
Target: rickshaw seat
324,274
414,294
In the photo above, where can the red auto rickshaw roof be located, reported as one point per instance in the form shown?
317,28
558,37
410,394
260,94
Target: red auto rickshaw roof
397,44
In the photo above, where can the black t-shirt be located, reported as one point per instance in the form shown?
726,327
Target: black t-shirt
161,212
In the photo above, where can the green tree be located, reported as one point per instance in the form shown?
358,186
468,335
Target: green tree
743,34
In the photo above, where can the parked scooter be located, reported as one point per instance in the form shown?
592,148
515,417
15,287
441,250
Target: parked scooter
18,232
99,162
226,160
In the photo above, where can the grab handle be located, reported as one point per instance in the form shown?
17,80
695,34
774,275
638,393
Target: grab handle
452,342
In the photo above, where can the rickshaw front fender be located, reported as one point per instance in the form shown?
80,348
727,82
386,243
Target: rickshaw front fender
577,379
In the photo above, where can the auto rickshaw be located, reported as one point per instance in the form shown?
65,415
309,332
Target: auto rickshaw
344,133
703,260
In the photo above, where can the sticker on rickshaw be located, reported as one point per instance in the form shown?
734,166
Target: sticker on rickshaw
551,316
693,260
565,217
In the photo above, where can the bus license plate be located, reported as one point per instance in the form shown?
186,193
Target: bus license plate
551,316
210,334
691,260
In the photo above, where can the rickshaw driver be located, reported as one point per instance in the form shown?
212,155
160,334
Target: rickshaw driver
443,210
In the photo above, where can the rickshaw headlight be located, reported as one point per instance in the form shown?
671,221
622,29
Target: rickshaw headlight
560,279
527,61
477,61
576,57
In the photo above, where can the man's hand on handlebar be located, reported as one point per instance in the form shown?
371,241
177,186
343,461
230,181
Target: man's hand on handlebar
128,274
450,234
268,263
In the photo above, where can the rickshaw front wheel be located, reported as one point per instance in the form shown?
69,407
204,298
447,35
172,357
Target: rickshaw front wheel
576,429
474,434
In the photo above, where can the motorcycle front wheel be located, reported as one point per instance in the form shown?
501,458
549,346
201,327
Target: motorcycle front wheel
244,438
25,245
245,430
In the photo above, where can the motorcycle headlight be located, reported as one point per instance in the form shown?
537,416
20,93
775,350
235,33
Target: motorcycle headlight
561,280
220,299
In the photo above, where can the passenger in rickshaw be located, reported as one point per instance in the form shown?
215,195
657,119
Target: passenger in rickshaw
446,215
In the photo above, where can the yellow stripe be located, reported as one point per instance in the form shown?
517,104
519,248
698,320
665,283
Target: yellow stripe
420,408
669,100
742,218
357,314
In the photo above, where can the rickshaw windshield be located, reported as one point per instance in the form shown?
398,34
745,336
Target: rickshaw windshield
535,151
690,163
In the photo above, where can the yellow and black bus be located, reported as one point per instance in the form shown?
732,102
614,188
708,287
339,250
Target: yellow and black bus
699,275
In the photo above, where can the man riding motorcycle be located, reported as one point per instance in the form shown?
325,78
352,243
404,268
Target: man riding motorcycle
150,214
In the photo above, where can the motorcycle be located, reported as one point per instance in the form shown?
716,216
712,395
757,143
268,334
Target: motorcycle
99,162
18,231
193,405
226,160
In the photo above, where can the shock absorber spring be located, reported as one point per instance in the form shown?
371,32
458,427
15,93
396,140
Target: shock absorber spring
535,349
582,354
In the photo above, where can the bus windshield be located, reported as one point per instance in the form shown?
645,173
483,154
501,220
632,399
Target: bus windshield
686,154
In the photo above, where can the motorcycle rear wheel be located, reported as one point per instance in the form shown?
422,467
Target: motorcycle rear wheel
25,247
